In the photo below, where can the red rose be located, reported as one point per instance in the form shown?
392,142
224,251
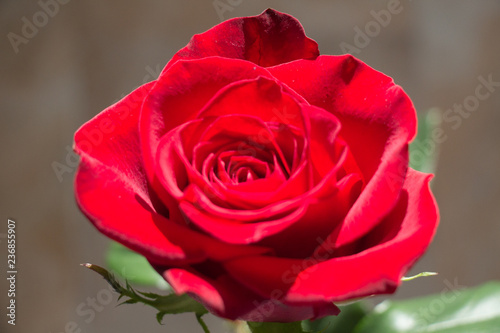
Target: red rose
266,181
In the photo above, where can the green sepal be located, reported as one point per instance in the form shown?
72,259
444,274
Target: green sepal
423,274
165,304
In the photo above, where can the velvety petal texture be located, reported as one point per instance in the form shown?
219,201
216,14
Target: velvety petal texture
268,39
262,179
369,105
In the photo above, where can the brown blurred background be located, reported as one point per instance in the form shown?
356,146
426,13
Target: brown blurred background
84,55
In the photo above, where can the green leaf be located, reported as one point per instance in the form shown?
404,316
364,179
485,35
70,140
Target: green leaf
425,147
474,310
165,304
295,327
133,267
345,322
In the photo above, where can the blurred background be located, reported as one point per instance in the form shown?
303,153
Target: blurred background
62,64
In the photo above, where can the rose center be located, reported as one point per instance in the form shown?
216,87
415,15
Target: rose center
244,166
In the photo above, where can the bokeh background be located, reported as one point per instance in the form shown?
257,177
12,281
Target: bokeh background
85,55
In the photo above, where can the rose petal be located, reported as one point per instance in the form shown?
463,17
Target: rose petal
111,190
378,120
96,195
323,141
111,141
175,170
268,39
200,198
258,140
230,232
134,223
263,98
265,190
111,138
411,224
327,208
178,96
227,298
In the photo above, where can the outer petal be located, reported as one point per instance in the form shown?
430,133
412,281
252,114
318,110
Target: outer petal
111,138
268,39
108,200
227,298
109,146
403,236
111,190
378,121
